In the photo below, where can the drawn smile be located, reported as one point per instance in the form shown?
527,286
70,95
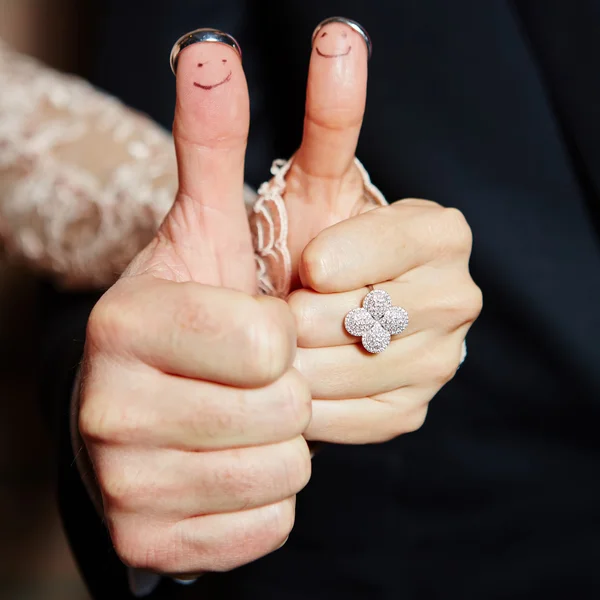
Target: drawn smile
214,85
333,55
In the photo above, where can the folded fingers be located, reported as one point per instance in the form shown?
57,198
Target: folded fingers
164,411
384,243
216,542
343,372
440,303
194,330
369,420
180,485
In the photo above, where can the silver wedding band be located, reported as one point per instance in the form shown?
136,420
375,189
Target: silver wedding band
353,24
214,35
198,36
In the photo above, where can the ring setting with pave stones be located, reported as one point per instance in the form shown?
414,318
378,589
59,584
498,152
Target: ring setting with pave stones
377,321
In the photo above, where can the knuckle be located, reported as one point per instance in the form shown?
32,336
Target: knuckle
473,303
463,306
101,421
442,367
270,343
137,547
281,522
127,547
457,229
109,322
130,549
94,422
297,466
116,490
125,488
413,421
296,401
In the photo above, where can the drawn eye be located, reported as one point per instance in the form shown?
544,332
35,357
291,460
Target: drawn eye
200,64
224,60
344,34
324,34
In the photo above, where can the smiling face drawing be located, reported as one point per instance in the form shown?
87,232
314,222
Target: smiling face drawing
212,72
333,41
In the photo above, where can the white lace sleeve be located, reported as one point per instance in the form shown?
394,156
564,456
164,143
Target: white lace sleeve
84,181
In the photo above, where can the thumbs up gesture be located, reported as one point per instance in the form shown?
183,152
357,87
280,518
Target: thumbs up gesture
197,394
191,411
341,241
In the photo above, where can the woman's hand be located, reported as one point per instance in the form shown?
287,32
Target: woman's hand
416,251
324,186
340,242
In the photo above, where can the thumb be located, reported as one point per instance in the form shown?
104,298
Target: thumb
207,227
323,185
335,98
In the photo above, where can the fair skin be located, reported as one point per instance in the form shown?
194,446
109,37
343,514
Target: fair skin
198,396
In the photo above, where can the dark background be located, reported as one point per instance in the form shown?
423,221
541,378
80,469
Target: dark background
491,107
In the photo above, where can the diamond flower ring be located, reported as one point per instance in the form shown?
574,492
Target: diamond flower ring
377,321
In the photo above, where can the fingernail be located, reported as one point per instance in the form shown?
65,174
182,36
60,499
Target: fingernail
142,583
330,41
186,581
198,36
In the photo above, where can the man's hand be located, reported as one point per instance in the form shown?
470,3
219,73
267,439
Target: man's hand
191,411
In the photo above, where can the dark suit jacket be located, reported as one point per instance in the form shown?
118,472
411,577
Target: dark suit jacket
492,107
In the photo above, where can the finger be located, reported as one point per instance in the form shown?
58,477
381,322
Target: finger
335,101
213,543
186,414
369,420
350,372
383,244
179,485
194,330
208,222
439,300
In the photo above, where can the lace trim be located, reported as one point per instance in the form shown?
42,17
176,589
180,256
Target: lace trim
269,225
